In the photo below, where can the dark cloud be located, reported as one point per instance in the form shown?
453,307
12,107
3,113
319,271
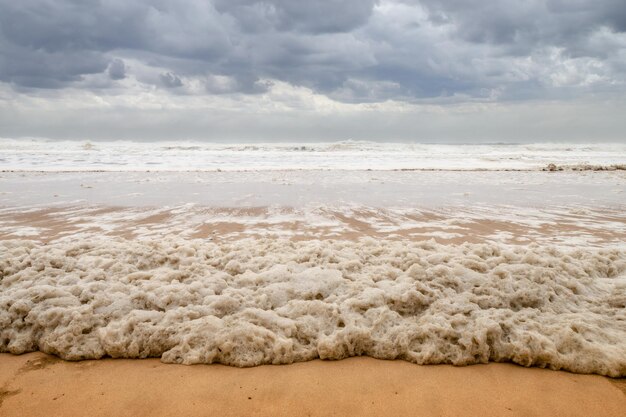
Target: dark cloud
321,16
350,50
527,24
189,28
171,80
117,69
77,35
39,68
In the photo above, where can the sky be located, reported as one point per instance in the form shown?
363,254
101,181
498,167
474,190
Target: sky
293,70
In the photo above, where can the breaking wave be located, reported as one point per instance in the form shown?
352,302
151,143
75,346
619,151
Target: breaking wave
255,302
58,156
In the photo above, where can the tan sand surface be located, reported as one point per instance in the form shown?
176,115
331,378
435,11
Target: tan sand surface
597,228
39,385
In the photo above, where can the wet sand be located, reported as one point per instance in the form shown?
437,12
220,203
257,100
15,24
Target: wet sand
568,226
36,384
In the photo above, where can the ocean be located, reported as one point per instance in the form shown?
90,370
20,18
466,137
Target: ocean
249,254
48,155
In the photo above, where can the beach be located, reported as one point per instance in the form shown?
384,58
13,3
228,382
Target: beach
271,269
328,208
36,384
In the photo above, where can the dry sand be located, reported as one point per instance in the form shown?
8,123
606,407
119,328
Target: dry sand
36,384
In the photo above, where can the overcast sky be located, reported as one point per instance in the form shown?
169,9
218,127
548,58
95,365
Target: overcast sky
238,70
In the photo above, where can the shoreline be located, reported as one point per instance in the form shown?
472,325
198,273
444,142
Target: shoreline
583,213
539,168
561,226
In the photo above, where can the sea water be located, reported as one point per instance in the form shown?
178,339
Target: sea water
273,299
47,155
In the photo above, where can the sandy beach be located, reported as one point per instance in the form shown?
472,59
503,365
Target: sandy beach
457,276
570,209
36,384
312,208
565,226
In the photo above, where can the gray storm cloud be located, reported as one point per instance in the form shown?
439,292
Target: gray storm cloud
350,50
356,52
117,69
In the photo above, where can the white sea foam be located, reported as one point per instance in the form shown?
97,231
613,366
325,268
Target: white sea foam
50,156
254,302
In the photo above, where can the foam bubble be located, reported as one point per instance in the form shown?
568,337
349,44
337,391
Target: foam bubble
263,301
